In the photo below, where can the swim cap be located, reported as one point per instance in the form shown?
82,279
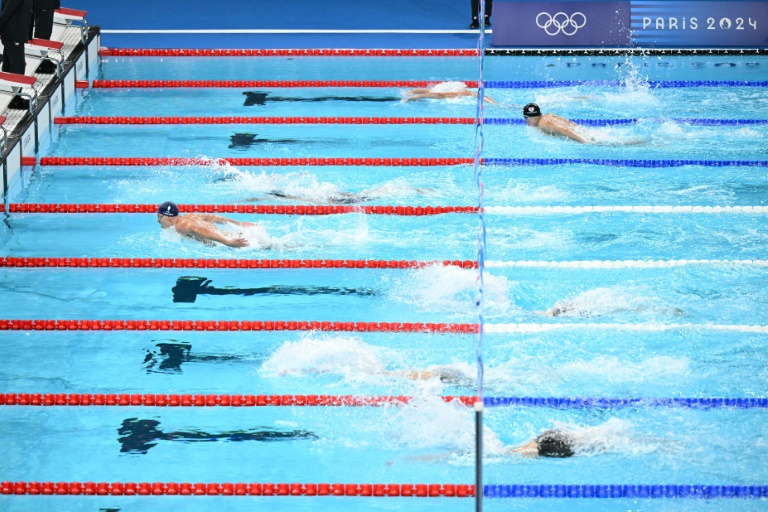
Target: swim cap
554,443
168,209
531,110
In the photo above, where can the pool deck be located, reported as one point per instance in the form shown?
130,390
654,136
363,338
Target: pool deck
286,24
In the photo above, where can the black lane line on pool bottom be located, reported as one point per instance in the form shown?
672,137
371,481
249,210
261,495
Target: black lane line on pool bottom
138,436
169,355
189,287
261,98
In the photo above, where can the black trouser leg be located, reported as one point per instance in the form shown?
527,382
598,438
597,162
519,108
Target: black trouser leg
476,8
43,23
13,57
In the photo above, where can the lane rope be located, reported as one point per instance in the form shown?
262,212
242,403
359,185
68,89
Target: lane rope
226,325
226,400
167,161
178,120
417,211
385,162
285,52
290,209
644,491
512,328
490,84
55,262
607,264
294,325
577,210
48,262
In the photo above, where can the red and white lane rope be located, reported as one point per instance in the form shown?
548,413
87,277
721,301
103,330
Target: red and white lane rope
53,262
285,52
181,400
376,210
16,324
168,161
234,489
272,84
134,120
227,325
289,209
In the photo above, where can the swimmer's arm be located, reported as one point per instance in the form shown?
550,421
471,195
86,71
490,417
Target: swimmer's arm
572,135
411,374
530,449
213,234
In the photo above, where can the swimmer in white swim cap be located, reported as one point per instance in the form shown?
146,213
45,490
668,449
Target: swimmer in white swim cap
442,91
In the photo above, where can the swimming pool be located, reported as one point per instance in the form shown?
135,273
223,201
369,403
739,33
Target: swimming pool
656,301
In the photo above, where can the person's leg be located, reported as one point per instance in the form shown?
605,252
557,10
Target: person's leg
488,11
475,9
43,23
13,57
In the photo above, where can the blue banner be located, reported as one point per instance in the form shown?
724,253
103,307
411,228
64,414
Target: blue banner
699,24
635,23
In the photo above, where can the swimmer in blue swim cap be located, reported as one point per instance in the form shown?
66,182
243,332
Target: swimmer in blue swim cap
199,226
442,91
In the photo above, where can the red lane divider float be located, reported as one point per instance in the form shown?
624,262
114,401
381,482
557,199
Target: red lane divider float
117,84
146,161
110,120
234,489
229,325
163,400
285,52
267,209
42,262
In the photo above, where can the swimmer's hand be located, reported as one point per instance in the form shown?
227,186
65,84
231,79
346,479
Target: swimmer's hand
247,224
237,242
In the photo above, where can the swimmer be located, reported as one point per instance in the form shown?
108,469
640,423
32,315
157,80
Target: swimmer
332,198
441,91
572,310
551,443
445,374
551,124
199,226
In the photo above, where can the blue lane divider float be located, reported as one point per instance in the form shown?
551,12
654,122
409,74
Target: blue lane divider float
657,84
579,402
620,122
625,491
624,163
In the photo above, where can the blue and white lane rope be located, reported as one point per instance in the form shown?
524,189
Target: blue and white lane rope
655,84
578,210
527,328
619,264
626,491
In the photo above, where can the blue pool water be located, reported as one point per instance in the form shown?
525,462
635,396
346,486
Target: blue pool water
658,332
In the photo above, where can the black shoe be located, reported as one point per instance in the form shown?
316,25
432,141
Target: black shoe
487,21
19,103
46,68
474,24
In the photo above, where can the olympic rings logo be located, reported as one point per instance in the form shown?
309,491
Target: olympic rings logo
561,23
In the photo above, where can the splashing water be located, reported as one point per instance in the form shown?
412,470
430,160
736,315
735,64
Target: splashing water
450,289
346,356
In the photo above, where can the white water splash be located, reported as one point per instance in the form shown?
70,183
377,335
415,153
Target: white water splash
449,289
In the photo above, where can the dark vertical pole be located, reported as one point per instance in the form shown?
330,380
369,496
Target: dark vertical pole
479,459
